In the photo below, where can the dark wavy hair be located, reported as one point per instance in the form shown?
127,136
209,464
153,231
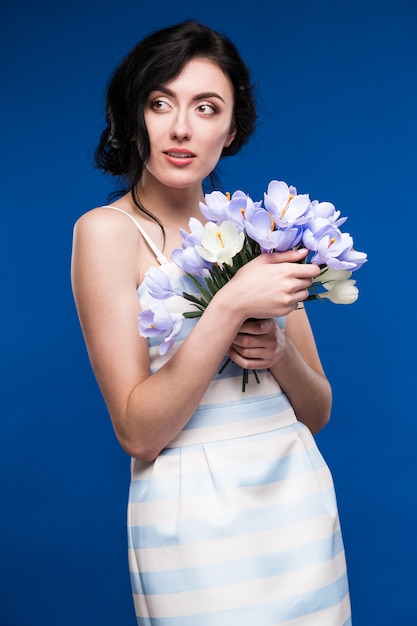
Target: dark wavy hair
124,144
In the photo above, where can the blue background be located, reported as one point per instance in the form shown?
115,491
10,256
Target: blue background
337,95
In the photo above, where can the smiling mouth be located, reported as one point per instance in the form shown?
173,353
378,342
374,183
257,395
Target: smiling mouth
180,155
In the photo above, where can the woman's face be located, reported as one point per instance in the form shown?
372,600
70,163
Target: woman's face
189,121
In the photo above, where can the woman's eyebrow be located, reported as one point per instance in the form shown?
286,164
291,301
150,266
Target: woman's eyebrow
208,94
199,96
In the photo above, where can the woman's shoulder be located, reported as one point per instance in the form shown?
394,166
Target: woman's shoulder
105,247
105,219
101,233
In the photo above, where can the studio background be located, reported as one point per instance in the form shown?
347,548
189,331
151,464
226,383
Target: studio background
336,86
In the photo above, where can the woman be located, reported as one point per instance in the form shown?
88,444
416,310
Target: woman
232,513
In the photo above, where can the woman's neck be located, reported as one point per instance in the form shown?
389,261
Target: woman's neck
169,205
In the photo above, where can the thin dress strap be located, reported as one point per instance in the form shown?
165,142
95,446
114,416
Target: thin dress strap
160,257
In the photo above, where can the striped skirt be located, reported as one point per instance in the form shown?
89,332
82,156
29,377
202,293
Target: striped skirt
236,524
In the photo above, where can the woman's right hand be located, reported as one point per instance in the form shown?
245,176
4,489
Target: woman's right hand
271,285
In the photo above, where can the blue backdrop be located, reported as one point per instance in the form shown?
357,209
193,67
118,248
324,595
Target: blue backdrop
337,93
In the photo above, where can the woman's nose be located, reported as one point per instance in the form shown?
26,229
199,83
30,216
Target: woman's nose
181,127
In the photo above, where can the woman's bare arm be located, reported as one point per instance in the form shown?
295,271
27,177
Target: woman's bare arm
148,411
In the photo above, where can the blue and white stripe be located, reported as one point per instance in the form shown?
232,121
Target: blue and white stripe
236,523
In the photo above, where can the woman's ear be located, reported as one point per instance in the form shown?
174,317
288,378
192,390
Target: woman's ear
230,138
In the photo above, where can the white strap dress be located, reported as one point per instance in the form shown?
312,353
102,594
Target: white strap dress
236,522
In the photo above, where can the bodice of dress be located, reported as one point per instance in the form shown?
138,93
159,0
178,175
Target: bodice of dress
252,411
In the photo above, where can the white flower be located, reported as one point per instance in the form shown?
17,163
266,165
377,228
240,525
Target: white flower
328,277
219,244
341,292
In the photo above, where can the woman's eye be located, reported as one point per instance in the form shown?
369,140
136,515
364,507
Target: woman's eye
159,105
207,108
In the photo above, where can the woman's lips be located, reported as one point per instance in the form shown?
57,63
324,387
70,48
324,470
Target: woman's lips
179,157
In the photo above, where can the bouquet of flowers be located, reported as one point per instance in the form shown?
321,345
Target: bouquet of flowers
236,230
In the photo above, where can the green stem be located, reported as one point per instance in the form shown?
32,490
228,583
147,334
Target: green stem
245,379
192,314
225,364
206,294
199,302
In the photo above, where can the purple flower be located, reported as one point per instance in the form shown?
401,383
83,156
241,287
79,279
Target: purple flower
337,252
316,229
187,259
157,321
159,285
215,206
260,229
190,261
169,340
353,259
286,206
241,208
193,237
328,211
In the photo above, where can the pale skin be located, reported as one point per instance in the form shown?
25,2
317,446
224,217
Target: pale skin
188,124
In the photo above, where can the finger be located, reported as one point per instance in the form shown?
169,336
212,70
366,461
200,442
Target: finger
306,270
289,256
254,345
294,257
245,342
249,360
306,282
257,326
301,295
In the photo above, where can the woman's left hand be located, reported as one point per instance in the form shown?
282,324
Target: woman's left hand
257,344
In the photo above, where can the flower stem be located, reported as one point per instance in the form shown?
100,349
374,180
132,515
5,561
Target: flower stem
245,379
225,364
245,374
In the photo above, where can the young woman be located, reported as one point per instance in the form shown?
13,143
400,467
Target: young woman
232,515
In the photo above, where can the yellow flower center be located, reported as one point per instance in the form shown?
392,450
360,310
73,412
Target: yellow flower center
219,235
228,195
331,242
